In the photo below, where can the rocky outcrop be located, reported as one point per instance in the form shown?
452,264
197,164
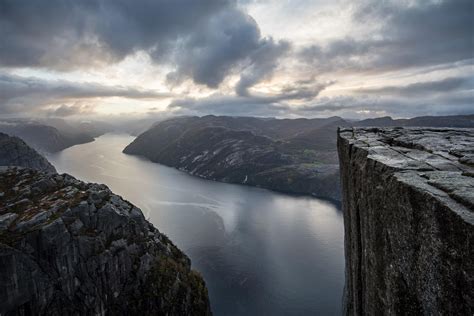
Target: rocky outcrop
408,202
71,248
14,152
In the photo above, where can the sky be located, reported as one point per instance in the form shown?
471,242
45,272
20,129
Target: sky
273,58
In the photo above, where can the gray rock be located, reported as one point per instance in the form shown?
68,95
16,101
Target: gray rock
408,202
6,220
71,248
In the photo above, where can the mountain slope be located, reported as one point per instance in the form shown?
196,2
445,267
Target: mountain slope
46,138
14,152
268,153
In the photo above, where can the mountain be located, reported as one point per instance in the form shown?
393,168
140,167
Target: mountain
73,248
51,135
461,121
295,156
288,155
15,152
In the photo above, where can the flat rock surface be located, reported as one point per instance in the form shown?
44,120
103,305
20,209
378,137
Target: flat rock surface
438,160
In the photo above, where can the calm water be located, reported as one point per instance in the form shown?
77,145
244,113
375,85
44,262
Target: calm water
260,252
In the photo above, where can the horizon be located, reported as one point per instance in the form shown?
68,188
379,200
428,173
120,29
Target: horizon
115,60
44,120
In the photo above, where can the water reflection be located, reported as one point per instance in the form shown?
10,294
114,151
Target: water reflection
261,253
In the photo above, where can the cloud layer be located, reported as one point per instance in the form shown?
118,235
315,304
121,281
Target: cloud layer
423,34
203,40
18,93
392,57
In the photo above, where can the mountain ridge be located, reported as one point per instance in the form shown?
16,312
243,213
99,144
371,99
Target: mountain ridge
288,155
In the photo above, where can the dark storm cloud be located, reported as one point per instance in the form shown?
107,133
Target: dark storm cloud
262,64
203,40
423,34
32,31
19,93
209,54
422,88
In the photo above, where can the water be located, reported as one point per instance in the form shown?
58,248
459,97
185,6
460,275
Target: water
260,252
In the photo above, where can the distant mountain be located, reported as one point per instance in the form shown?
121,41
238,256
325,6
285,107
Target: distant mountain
74,128
421,121
48,138
15,152
289,155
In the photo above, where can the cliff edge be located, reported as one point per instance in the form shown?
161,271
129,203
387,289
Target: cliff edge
74,248
408,203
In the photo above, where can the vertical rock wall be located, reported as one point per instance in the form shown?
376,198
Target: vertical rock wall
408,202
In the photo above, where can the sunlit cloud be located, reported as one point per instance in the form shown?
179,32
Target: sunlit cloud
247,57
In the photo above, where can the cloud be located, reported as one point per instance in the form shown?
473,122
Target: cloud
255,104
201,40
215,43
225,105
262,63
373,105
18,94
417,35
422,88
65,110
34,32
344,106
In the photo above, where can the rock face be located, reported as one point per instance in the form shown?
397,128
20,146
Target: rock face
14,152
296,156
71,248
408,202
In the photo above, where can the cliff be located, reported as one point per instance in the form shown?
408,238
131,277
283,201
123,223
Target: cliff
73,248
408,203
14,152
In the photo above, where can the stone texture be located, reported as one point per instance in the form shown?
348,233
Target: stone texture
14,152
71,248
408,197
